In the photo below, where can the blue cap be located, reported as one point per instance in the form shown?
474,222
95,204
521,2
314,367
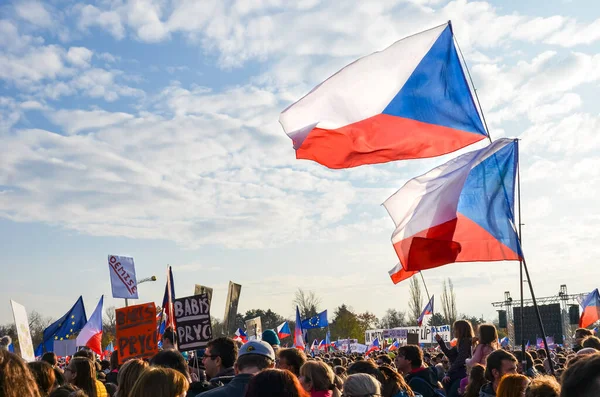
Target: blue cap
257,347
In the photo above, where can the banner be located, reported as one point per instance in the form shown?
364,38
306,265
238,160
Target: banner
231,306
23,333
203,289
400,333
358,348
254,328
122,277
136,331
192,320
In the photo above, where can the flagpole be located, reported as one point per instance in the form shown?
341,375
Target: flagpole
428,300
522,333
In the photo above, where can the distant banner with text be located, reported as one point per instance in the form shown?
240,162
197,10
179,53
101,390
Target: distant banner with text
231,306
192,319
136,332
122,277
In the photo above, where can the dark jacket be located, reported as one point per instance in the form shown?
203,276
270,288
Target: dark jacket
457,357
423,381
222,378
111,377
235,388
487,390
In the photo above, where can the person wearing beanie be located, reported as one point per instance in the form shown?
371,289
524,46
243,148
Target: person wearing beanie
271,338
6,341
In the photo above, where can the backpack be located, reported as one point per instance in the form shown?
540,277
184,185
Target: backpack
436,392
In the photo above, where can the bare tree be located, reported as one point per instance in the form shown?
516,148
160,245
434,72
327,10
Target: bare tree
449,302
307,302
393,318
415,301
37,324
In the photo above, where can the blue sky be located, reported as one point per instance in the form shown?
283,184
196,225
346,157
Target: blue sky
149,128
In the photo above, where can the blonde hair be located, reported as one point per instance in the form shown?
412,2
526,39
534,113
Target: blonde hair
128,374
320,375
361,385
160,382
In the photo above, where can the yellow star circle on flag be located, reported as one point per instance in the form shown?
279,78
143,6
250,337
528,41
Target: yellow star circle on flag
67,336
61,338
56,337
72,316
73,323
71,330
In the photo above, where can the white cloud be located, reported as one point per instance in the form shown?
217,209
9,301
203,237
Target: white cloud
74,121
80,56
35,13
109,20
574,33
35,65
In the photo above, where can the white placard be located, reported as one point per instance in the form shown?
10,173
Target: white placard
25,343
254,328
358,348
426,334
122,277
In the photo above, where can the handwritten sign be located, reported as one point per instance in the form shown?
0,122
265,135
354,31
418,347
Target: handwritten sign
426,334
192,320
122,277
136,331
23,332
254,328
203,289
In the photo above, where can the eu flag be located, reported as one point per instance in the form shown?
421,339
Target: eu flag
318,321
63,328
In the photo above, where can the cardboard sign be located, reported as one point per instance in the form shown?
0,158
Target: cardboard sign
22,324
254,328
192,320
136,331
203,289
231,306
122,277
358,348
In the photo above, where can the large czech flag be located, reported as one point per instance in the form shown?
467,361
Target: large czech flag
411,100
591,309
91,333
461,211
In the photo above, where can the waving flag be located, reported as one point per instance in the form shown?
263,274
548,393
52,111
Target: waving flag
315,345
504,342
591,309
63,328
283,330
428,311
241,336
318,321
374,346
398,274
394,346
327,340
298,338
409,101
91,334
461,211
167,319
527,345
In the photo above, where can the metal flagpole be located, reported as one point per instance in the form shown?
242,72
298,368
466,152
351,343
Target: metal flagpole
428,300
522,333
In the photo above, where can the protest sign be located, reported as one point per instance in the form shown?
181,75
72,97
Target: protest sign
66,347
122,277
136,331
231,306
23,332
192,320
254,328
400,333
358,348
203,289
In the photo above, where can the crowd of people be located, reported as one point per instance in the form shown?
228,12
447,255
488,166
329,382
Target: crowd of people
474,367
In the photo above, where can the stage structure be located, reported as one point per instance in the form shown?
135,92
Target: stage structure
560,315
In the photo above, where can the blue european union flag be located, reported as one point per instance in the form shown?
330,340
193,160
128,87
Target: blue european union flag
63,328
318,321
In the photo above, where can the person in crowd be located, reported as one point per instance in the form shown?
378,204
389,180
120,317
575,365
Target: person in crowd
59,377
44,376
169,339
421,379
113,375
486,343
272,339
81,372
384,359
499,364
128,374
253,357
543,386
111,389
16,379
275,383
171,359
476,381
160,382
63,391
582,377
457,355
50,358
219,358
530,371
591,341
361,385
317,378
512,385
105,366
391,382
580,335
293,359
340,372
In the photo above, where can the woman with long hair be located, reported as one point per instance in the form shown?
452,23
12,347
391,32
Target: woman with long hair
44,376
392,383
275,383
543,386
318,379
129,373
485,343
361,385
512,385
476,381
457,356
160,382
15,378
81,372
